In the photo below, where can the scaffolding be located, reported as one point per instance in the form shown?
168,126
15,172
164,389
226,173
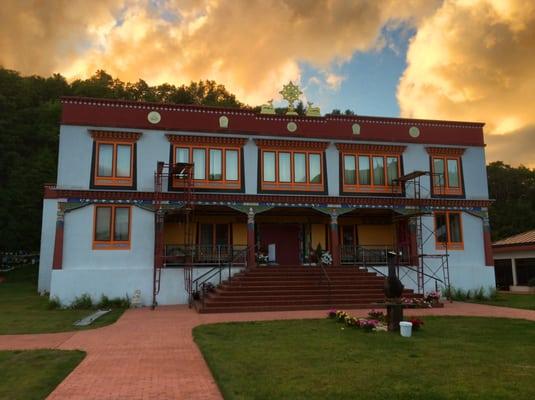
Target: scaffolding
427,267
180,175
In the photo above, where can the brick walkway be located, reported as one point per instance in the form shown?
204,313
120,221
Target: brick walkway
151,354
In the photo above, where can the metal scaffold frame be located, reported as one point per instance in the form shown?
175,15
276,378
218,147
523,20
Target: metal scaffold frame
431,267
181,175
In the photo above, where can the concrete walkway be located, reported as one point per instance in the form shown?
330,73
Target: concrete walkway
151,354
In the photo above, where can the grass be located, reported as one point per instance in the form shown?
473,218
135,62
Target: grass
525,301
33,374
22,310
451,358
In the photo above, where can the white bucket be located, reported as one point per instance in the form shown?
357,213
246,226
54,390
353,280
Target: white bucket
405,328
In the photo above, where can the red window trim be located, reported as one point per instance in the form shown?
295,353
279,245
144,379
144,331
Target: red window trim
292,185
371,188
207,183
379,149
112,244
449,244
445,151
202,141
447,190
291,144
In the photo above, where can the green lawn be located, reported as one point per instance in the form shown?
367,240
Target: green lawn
22,310
526,301
33,374
451,358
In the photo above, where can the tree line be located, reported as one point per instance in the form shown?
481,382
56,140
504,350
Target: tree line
29,130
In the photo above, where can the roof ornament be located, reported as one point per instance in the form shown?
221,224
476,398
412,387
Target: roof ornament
268,108
291,94
312,111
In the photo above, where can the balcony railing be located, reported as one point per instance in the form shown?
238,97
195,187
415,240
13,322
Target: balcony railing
370,254
177,255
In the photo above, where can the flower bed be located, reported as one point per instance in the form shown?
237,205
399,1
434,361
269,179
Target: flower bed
376,321
430,300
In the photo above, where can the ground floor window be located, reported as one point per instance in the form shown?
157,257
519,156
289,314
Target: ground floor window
111,227
448,230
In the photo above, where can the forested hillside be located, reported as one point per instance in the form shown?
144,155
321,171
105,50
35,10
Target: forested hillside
29,127
29,115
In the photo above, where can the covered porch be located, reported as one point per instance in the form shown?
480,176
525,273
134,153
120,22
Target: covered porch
289,235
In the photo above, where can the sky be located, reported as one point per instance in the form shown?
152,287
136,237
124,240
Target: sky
469,60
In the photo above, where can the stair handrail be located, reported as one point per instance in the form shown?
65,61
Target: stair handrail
202,280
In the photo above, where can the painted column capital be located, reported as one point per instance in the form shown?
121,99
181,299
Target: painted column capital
250,216
334,217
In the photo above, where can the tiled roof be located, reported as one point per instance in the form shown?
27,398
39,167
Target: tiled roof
522,238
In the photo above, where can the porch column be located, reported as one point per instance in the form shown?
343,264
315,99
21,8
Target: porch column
335,247
57,260
513,270
251,255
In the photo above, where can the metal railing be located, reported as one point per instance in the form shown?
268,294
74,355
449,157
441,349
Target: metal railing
204,283
177,255
365,255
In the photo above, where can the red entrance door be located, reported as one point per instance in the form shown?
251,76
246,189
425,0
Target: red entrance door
286,240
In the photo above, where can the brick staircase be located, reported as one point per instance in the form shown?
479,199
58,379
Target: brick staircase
296,288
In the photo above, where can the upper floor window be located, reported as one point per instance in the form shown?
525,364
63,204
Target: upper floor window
291,166
448,230
217,163
114,159
370,168
446,170
111,227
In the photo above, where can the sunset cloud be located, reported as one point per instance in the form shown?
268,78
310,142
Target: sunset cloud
250,47
473,60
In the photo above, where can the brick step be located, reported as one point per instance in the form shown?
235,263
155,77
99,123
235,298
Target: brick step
265,308
236,292
290,301
311,278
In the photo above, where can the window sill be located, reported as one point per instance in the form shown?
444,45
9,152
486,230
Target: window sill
110,246
293,187
450,246
371,189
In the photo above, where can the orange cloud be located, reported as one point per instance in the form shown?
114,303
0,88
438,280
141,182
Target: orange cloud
473,60
252,47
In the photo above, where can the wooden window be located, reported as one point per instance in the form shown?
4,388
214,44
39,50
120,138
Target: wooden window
291,170
114,164
447,178
214,167
213,235
111,229
370,173
448,230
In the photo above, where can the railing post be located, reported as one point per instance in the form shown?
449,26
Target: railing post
251,257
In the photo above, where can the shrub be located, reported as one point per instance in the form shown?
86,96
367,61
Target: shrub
120,302
82,302
54,303
104,302
416,323
493,293
479,294
531,282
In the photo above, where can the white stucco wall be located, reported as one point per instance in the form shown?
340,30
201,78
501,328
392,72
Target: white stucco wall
48,235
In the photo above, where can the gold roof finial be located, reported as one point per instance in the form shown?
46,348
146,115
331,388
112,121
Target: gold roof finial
291,94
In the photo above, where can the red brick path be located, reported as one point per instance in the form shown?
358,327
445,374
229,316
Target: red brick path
151,354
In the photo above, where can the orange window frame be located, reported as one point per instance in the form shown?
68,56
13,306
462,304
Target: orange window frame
357,187
446,189
292,185
113,180
112,244
449,244
207,183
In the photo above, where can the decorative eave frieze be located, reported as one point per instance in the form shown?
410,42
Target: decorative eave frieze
51,192
291,144
445,151
206,140
118,136
371,148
